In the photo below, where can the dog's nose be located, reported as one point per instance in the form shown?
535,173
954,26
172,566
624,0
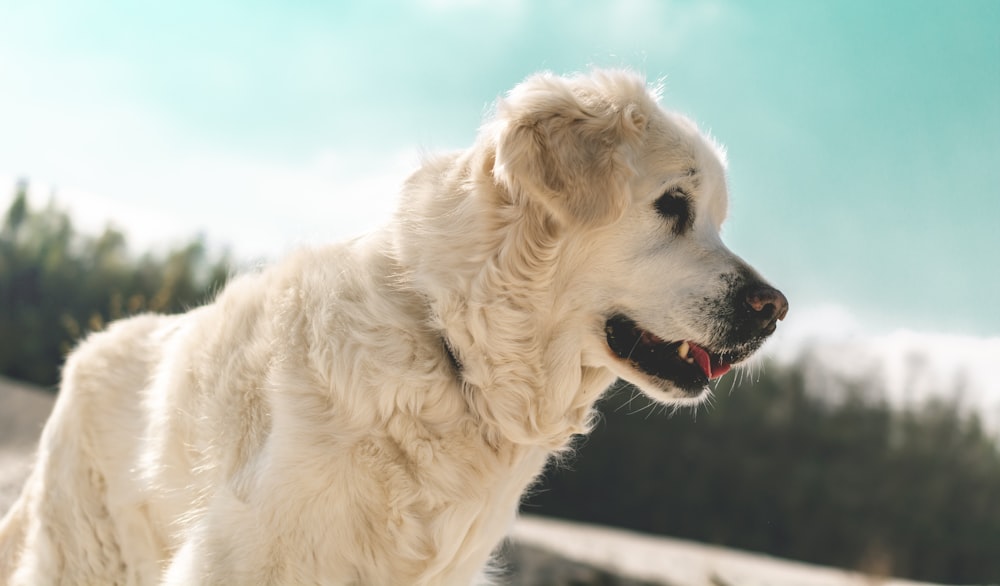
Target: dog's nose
767,307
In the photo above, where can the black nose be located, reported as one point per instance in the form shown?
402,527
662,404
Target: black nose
766,306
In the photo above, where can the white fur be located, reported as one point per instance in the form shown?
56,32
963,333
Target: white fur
308,426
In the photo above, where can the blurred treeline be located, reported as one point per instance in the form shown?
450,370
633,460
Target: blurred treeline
775,467
57,284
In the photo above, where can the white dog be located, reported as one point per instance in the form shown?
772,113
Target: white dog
371,412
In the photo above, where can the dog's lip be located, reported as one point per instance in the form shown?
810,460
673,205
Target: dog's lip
685,363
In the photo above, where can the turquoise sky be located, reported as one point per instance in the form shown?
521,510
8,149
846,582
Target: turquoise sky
863,136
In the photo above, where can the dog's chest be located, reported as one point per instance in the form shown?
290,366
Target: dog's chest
454,512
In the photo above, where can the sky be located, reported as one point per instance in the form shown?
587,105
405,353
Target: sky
863,137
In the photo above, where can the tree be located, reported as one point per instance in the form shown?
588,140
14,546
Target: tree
775,467
57,284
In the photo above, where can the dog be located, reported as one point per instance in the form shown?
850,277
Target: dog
372,412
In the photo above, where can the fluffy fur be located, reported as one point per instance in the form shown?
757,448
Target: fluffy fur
371,412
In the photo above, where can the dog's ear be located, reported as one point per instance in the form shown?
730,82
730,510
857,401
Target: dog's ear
568,144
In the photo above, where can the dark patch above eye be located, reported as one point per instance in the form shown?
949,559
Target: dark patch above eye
675,205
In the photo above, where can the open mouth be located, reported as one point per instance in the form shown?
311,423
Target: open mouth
685,364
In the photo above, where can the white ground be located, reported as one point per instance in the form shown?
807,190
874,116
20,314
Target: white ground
677,562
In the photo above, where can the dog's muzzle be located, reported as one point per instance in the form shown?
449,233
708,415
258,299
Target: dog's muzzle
752,313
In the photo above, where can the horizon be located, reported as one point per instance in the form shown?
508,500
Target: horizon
862,139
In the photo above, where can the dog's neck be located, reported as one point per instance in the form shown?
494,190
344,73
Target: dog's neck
515,347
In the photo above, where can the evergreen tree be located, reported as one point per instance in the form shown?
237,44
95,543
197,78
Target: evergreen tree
57,284
776,468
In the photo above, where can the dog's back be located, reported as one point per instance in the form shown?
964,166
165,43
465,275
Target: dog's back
123,459
74,508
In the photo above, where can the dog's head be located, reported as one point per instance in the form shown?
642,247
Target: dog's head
642,195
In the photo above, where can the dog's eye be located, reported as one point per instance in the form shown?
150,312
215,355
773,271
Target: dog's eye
675,205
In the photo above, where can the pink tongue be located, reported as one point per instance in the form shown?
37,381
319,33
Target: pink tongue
703,360
719,370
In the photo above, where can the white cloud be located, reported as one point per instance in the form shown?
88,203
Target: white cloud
672,24
260,208
914,367
72,128
508,7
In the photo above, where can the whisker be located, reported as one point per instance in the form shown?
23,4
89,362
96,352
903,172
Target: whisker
635,394
634,346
